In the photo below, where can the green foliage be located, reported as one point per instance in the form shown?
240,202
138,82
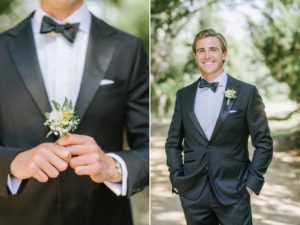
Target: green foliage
277,37
5,5
173,26
116,2
133,17
7,14
56,105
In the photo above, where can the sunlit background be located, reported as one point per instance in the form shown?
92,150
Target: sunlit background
131,16
264,46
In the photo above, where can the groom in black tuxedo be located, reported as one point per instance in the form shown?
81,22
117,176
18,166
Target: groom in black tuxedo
62,50
207,144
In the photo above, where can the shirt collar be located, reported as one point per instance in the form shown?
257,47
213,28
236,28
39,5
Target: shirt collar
81,15
222,79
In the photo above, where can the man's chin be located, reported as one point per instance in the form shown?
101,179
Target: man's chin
208,72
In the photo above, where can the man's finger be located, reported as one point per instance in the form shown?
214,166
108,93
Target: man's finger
58,156
46,167
62,153
40,176
84,160
89,170
83,149
59,163
74,139
94,171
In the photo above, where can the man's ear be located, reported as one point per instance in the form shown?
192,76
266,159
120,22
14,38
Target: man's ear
224,56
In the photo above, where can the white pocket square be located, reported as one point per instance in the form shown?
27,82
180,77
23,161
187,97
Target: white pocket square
106,82
232,111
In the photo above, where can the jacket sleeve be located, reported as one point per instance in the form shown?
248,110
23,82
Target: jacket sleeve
137,124
7,154
174,140
261,140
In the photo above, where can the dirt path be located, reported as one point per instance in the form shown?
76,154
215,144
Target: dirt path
278,203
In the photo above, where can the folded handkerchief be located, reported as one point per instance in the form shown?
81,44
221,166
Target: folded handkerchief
106,82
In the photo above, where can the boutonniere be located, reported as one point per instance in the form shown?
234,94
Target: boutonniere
230,94
62,120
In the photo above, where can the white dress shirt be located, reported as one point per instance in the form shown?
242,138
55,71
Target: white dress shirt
208,105
62,65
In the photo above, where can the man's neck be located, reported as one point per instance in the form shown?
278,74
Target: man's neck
60,14
211,77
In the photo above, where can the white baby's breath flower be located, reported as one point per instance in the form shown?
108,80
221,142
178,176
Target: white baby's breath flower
62,119
56,115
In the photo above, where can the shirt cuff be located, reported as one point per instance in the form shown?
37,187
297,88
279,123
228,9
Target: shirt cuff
120,189
13,184
249,191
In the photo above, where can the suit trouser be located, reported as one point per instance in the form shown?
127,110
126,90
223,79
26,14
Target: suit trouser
208,211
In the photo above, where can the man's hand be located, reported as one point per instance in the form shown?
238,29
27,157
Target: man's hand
44,161
89,159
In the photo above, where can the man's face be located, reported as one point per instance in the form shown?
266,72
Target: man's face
209,56
62,4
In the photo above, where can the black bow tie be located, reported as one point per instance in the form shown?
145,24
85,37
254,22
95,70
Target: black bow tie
204,83
68,30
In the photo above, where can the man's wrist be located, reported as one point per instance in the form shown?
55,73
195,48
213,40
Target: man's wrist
117,175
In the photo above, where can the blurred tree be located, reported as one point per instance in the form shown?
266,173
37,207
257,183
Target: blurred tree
277,37
7,14
5,6
174,24
136,23
168,59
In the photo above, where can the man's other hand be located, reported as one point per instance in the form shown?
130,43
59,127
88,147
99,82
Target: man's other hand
45,161
89,159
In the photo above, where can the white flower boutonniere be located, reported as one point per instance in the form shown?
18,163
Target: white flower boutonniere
62,120
230,94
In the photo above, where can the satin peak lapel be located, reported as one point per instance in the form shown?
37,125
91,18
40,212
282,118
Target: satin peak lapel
191,106
101,47
23,51
225,109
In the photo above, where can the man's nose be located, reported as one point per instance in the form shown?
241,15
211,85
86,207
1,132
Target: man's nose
207,54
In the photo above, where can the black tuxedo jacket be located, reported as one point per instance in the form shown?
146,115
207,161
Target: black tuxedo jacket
105,113
224,159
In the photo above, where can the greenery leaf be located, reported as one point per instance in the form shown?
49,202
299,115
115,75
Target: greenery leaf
47,114
65,105
70,104
56,105
49,133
